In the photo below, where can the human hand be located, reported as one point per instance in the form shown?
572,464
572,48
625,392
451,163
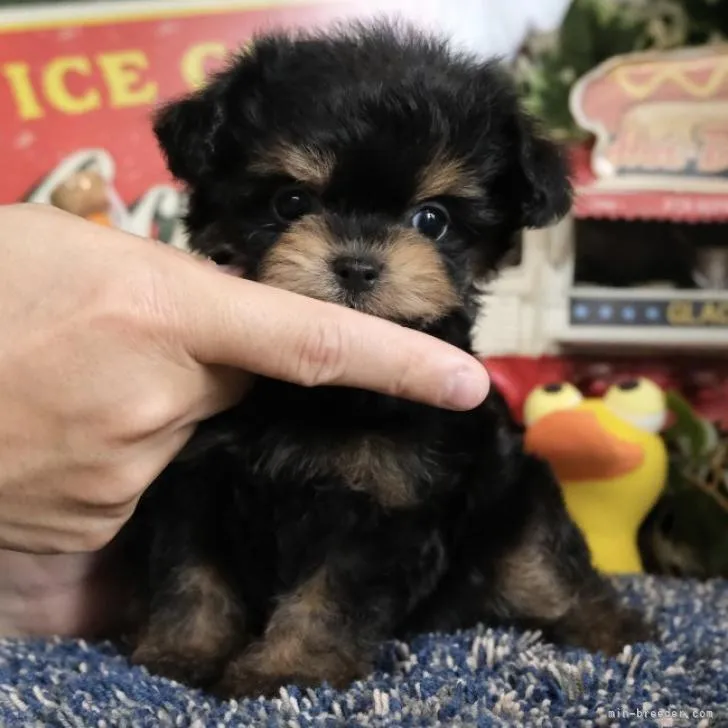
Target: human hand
114,348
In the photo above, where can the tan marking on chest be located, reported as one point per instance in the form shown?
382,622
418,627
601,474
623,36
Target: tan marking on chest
388,471
378,467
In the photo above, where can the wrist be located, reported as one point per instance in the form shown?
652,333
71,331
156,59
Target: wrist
59,594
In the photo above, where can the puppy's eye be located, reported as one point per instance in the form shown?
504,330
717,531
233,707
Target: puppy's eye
431,220
292,203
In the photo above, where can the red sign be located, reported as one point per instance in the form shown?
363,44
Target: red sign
80,91
661,127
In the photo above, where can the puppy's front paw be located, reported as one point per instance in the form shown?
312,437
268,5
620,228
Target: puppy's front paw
239,682
608,633
244,677
192,669
632,628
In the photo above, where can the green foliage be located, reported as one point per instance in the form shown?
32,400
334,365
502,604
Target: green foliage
687,533
595,30
692,436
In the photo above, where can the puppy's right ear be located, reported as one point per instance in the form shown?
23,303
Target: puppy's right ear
188,132
543,182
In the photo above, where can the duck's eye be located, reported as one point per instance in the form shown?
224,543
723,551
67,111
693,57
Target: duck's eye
431,220
550,398
291,203
639,401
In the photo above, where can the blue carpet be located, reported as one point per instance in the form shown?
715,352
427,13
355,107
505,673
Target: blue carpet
477,678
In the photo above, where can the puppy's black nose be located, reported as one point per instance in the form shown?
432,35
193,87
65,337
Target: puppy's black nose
356,274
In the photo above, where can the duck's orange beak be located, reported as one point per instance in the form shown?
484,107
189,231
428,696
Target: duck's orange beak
578,448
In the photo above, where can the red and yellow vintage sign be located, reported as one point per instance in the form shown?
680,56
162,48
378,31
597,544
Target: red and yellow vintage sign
83,87
661,127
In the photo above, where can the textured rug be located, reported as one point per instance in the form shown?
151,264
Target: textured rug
476,678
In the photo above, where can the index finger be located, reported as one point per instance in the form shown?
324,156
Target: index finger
275,333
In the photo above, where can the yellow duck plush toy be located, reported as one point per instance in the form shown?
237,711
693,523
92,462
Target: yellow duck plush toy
609,459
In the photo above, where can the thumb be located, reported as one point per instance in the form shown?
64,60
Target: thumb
283,335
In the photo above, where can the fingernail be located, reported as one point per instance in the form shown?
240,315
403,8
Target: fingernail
466,389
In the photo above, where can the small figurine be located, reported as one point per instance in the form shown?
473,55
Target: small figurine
609,459
84,194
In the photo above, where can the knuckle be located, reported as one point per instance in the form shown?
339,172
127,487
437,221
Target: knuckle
83,536
94,538
401,383
152,298
322,356
114,504
110,495
135,294
138,300
110,312
147,415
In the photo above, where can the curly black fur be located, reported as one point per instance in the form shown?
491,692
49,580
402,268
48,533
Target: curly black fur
303,527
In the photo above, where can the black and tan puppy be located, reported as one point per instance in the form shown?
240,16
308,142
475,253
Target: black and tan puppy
376,169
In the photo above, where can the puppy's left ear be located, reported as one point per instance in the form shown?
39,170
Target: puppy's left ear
188,132
543,187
